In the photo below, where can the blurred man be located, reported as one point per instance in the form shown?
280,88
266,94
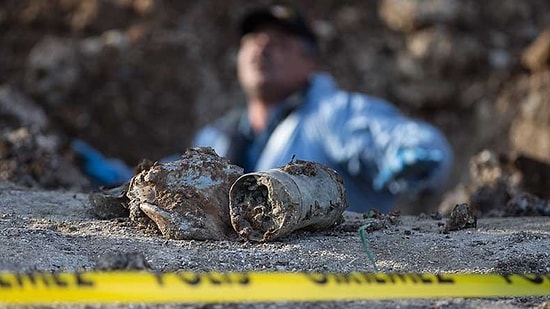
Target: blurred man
292,110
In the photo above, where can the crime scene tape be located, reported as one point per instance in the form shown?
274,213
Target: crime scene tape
216,287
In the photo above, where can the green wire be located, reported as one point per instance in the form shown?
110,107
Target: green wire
365,245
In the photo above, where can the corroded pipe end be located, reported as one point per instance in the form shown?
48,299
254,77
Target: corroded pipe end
274,203
255,213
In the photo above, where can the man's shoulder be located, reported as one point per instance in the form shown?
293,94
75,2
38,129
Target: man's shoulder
325,93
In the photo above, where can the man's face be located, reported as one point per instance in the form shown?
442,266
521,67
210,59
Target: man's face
272,63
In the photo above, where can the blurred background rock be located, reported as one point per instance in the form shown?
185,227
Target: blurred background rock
136,78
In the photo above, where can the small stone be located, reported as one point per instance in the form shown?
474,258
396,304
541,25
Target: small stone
122,261
462,217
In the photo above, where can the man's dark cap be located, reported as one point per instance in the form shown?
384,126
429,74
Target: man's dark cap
286,17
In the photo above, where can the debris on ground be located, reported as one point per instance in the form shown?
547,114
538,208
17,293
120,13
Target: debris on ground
462,217
200,196
376,220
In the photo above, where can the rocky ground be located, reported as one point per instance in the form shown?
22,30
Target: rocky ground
58,231
136,78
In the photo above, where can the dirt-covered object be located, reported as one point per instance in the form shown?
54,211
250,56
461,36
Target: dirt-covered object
186,198
462,217
271,204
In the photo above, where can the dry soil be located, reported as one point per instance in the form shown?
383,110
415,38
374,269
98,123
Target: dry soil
56,231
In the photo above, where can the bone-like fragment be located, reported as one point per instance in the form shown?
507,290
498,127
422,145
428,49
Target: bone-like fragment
186,198
270,204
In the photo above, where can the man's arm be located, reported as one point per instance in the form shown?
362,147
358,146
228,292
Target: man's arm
103,170
373,141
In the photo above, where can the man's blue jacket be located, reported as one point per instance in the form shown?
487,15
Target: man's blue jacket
378,151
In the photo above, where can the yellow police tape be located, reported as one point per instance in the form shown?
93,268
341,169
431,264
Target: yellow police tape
215,287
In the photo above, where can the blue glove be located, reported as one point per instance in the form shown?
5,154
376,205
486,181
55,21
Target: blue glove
407,166
105,171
